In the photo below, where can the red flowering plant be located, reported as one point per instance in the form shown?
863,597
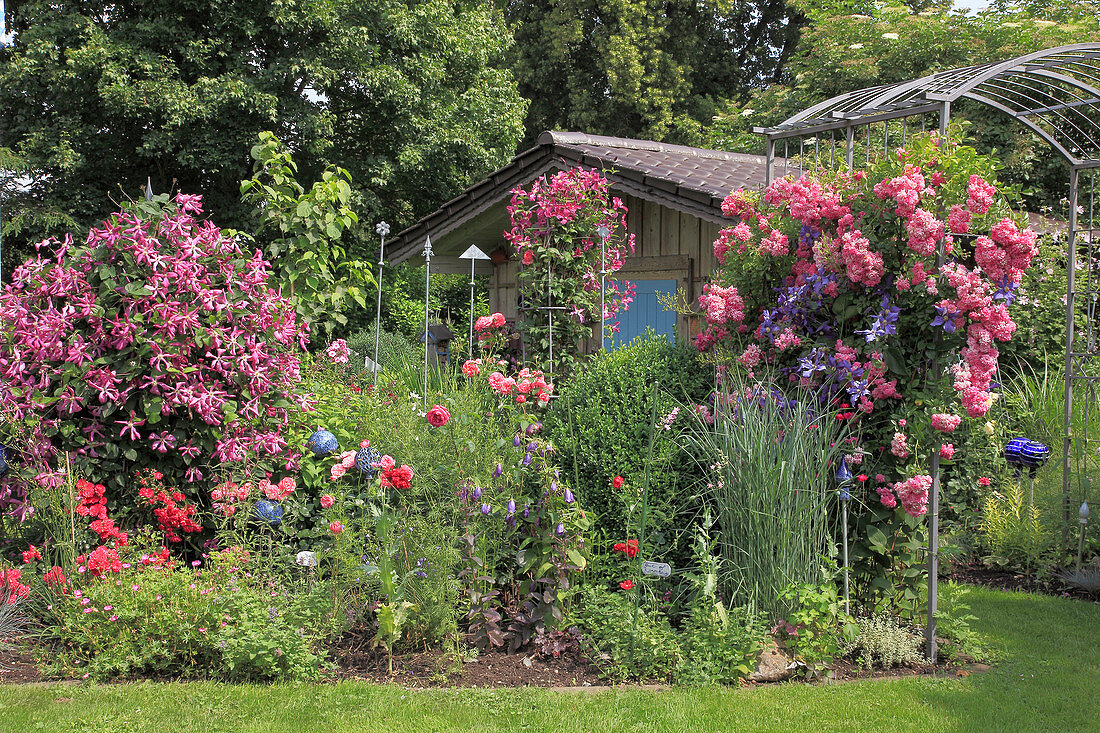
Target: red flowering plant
556,227
157,343
834,283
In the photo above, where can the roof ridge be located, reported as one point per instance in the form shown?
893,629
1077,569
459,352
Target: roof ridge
571,139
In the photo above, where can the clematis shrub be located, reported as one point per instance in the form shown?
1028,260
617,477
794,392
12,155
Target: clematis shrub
156,344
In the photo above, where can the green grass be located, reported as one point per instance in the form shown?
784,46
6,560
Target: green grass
1047,679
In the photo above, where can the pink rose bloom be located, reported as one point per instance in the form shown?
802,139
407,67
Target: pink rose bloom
287,485
471,368
947,451
387,463
326,501
438,416
347,460
945,423
365,444
338,472
336,528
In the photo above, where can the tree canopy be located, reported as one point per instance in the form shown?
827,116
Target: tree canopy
655,69
408,95
852,44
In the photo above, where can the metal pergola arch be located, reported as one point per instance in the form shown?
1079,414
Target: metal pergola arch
1056,94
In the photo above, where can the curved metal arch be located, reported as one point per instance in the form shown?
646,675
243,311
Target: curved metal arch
1045,78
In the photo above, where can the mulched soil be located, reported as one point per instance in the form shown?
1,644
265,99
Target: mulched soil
844,670
357,660
977,574
18,667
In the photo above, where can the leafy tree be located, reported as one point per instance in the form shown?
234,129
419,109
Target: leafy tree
642,68
99,95
301,230
850,45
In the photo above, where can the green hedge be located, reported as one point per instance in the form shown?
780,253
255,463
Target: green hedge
600,425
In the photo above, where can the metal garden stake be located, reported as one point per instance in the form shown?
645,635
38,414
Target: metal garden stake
473,254
1083,519
844,480
427,293
382,230
604,233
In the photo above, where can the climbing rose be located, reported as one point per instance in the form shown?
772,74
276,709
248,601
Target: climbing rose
945,423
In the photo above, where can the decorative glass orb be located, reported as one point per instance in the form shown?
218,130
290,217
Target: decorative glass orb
1014,451
364,460
1034,454
323,443
268,511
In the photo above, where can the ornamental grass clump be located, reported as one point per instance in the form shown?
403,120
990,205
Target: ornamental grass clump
769,464
157,343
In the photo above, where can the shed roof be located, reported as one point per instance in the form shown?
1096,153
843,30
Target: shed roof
691,180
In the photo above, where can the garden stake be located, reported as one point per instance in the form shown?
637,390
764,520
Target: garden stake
1084,518
844,478
427,293
382,229
473,254
604,232
641,529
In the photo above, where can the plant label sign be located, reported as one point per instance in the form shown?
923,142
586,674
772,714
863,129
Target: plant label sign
660,569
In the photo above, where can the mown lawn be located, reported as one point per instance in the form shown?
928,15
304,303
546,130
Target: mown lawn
1048,678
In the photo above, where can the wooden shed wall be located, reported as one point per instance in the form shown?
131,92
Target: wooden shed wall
668,245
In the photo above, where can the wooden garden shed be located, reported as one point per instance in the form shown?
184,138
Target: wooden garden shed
674,195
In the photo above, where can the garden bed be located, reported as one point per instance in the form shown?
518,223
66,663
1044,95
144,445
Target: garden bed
977,574
437,668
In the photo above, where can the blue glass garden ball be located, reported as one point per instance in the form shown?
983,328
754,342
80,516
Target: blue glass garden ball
323,443
1014,451
1034,454
363,460
268,511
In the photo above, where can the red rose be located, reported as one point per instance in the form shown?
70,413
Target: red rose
631,548
617,482
336,528
626,584
438,416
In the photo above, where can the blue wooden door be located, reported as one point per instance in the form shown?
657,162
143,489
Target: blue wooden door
647,312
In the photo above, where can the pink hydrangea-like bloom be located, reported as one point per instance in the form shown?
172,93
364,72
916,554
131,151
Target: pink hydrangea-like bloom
913,493
958,220
722,305
945,423
751,356
775,244
979,195
787,340
886,496
899,446
742,232
863,265
925,231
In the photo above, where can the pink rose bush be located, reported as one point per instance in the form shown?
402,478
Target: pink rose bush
555,229
832,282
155,342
